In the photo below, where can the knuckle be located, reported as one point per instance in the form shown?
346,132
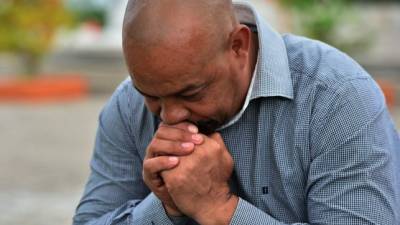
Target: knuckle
154,142
215,145
144,176
160,131
177,145
175,182
146,166
161,162
156,148
150,147
216,148
187,136
182,136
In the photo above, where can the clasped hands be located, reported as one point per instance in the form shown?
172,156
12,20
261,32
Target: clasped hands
189,172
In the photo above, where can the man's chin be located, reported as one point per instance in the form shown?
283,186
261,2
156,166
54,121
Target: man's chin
208,127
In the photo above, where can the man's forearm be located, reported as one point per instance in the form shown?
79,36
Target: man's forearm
137,212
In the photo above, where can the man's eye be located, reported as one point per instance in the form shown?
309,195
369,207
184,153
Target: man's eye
192,97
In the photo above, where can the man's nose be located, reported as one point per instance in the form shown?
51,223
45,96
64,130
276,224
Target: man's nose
173,112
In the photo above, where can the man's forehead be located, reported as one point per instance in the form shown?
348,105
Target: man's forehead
154,18
166,68
187,23
134,6
163,88
166,65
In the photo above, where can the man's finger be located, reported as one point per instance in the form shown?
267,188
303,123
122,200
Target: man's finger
153,166
161,147
186,126
176,134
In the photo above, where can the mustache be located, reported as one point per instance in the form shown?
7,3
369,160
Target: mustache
207,127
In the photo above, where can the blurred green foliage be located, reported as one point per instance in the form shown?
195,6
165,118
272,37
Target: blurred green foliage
93,15
87,11
28,27
324,19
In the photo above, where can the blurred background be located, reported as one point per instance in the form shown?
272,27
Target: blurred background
61,60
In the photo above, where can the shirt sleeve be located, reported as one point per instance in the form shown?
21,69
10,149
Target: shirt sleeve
115,192
353,176
248,214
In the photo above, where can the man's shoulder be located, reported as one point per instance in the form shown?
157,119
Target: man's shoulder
125,89
127,94
320,62
128,102
325,79
126,112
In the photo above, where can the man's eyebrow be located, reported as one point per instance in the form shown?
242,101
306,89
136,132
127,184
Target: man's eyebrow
142,93
188,88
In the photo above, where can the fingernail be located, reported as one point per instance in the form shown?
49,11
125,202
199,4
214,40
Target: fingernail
173,159
187,145
193,129
197,137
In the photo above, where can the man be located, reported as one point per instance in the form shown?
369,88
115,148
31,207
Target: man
224,121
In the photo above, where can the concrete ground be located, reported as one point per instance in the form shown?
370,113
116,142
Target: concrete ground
44,155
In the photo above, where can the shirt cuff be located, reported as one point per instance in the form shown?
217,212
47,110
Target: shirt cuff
248,214
150,211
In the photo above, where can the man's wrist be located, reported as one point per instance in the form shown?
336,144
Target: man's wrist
221,214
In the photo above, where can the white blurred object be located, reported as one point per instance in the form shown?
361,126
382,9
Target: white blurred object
88,38
112,35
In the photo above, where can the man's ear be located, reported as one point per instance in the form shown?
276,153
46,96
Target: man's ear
240,40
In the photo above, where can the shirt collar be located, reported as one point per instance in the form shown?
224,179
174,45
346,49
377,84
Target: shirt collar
272,74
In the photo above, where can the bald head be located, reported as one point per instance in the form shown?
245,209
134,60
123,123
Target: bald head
190,59
178,23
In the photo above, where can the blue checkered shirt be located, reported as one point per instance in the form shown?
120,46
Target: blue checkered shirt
314,144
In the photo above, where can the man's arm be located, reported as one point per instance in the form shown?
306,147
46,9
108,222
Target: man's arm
115,192
353,176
